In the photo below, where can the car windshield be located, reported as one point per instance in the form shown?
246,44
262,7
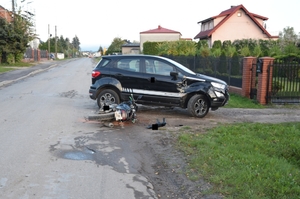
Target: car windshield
182,67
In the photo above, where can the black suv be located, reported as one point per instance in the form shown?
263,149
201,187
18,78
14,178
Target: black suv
157,81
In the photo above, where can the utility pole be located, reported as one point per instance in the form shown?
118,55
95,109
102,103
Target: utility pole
55,43
49,41
13,6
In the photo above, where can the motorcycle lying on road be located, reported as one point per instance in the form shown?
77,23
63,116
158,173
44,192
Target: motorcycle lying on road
124,111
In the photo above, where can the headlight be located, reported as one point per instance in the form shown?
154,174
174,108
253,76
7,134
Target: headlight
218,85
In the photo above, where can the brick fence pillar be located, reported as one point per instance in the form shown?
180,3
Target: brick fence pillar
265,80
39,55
248,77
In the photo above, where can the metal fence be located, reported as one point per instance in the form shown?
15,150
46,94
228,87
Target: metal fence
229,70
35,54
286,81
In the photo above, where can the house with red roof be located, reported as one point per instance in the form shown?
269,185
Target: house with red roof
233,24
158,34
5,14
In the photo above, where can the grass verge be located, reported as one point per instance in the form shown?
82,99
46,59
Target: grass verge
237,101
9,67
247,160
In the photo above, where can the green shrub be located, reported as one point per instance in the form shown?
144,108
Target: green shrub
10,59
19,57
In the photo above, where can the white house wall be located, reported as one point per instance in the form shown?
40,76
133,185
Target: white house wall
235,27
218,20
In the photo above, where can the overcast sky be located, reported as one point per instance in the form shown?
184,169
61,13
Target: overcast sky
97,22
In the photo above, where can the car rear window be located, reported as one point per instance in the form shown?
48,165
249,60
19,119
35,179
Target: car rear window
103,63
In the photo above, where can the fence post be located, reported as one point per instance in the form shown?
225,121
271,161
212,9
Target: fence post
265,80
247,76
39,55
32,55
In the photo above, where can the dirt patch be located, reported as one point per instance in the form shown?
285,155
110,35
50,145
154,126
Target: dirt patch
166,166
154,154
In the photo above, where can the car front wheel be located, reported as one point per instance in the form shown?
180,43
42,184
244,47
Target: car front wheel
107,97
198,106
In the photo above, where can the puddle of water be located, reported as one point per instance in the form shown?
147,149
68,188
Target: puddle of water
3,182
78,155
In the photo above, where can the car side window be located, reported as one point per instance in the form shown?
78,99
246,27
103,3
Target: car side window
149,64
158,67
163,68
132,65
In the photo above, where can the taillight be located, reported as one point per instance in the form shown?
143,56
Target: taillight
95,73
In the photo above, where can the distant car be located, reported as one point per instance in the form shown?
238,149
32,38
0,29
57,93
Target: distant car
52,56
158,81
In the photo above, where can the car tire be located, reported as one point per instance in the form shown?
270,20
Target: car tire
107,97
198,106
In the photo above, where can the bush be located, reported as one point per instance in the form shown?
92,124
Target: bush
19,57
10,59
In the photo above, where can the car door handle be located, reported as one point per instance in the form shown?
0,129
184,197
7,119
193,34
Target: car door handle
119,74
151,79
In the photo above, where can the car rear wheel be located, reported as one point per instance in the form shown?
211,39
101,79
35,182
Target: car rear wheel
198,106
107,97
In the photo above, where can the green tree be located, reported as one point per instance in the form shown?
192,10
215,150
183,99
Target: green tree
5,29
288,36
115,46
202,43
257,51
100,50
62,44
226,45
76,43
176,48
15,37
245,51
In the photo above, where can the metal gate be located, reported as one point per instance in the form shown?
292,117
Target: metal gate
36,55
253,81
285,81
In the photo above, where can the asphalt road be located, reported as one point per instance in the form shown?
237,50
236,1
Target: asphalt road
49,150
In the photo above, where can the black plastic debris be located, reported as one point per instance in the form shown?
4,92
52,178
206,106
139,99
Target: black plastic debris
157,124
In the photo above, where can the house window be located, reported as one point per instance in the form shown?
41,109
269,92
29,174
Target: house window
211,25
239,14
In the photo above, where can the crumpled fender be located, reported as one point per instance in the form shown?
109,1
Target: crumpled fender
197,87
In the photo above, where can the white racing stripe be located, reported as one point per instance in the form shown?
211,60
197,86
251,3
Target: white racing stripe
156,93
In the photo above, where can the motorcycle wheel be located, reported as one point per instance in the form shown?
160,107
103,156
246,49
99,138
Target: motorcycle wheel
102,116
